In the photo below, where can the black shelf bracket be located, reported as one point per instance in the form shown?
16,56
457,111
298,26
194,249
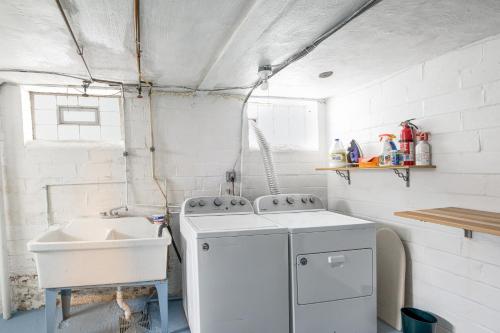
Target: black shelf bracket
346,174
403,174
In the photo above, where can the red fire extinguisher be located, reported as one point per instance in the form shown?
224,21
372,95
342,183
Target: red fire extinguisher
407,142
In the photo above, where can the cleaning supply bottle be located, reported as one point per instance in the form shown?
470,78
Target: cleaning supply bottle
423,150
407,142
386,149
337,154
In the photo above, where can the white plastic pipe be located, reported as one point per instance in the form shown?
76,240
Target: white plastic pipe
122,304
4,260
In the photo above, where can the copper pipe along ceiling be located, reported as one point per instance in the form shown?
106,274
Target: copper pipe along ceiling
137,24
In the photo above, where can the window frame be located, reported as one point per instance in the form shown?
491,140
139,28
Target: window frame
60,115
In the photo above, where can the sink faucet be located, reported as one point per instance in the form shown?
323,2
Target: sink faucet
160,229
113,212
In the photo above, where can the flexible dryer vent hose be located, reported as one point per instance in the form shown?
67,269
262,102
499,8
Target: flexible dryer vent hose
267,158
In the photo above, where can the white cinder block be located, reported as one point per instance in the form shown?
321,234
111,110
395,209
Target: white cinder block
88,101
67,100
90,133
44,102
45,117
109,104
455,101
489,68
46,132
484,117
395,89
49,170
449,275
492,93
444,123
110,119
466,142
493,186
490,141
110,133
68,132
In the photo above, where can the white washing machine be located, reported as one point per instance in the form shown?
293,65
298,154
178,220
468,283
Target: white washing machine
235,268
332,265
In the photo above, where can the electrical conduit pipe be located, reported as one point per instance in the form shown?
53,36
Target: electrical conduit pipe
4,263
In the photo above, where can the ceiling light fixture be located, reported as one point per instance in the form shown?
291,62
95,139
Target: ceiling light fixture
264,73
324,75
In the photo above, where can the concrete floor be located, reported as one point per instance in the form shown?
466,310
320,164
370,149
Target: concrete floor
103,318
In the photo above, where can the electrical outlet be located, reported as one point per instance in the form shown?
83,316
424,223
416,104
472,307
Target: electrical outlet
230,176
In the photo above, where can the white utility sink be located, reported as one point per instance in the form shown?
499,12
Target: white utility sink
95,251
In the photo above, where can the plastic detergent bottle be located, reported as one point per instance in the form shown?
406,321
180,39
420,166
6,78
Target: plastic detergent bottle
423,150
387,149
338,155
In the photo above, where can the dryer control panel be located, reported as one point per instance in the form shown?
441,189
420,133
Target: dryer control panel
287,203
217,205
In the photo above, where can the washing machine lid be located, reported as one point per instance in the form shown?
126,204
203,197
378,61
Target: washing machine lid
299,222
233,225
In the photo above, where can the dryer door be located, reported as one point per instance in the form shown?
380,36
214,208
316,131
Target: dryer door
324,277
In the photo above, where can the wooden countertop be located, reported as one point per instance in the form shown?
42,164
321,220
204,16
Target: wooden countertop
467,219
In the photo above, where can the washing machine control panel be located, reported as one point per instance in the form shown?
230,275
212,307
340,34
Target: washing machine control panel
287,203
217,205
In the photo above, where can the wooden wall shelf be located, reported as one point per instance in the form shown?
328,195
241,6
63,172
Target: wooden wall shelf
401,171
468,219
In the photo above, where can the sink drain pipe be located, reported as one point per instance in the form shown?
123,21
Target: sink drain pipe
122,304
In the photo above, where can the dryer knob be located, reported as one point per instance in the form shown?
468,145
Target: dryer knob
276,201
304,200
312,199
234,202
290,200
202,203
217,202
192,203
243,202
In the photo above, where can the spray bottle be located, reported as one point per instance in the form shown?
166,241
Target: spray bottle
386,149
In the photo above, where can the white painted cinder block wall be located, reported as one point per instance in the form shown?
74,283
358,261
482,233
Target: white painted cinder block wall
197,140
456,97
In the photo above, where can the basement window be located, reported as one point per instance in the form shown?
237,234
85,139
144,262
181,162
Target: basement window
288,125
54,116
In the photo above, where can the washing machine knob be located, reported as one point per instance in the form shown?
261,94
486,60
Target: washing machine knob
304,200
192,203
312,199
290,200
243,202
217,202
202,203
234,202
276,201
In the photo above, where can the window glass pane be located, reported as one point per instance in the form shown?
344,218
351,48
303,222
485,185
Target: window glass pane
287,124
77,115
